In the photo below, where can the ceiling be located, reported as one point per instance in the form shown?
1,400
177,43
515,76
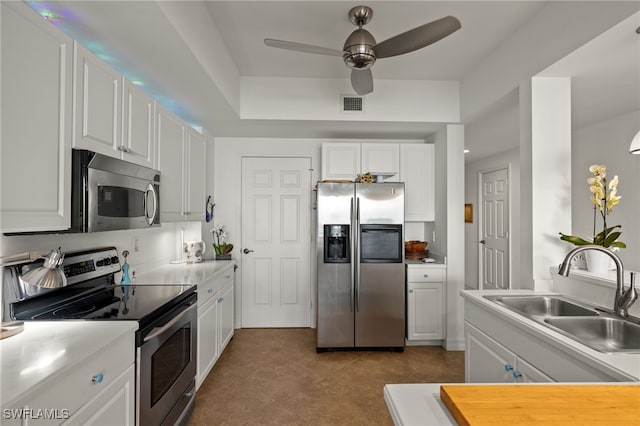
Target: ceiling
140,41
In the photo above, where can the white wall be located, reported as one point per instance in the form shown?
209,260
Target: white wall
277,98
156,246
511,161
607,143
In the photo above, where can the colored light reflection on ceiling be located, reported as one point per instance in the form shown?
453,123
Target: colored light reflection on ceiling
72,24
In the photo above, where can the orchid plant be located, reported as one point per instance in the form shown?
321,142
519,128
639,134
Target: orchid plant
220,246
604,196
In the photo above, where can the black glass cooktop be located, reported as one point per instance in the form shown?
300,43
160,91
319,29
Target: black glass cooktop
115,302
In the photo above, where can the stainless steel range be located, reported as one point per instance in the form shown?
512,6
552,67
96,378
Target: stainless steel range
166,314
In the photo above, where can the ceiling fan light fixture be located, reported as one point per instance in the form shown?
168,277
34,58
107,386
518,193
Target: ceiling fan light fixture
358,50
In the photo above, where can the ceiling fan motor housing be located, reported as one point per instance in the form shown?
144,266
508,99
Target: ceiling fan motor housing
359,53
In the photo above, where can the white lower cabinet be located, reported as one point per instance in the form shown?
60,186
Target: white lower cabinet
114,406
499,349
215,319
487,361
98,390
426,304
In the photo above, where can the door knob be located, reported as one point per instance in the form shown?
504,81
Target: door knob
483,242
247,251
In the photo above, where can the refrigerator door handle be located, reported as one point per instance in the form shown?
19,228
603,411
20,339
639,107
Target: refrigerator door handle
356,258
352,251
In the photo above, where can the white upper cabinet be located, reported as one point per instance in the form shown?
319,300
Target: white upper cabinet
181,160
340,161
170,134
417,173
344,161
111,115
98,104
195,174
138,119
381,158
36,122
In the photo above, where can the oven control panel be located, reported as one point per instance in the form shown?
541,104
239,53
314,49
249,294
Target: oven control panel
82,266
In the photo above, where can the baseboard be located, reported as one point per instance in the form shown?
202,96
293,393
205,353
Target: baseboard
454,344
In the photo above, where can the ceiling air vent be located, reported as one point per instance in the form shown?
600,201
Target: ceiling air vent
351,103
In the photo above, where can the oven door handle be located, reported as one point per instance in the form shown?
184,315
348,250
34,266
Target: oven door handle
156,331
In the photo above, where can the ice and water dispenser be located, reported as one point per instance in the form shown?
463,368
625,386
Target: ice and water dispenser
336,244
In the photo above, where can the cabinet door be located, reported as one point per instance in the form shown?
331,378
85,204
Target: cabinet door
486,361
138,117
98,104
225,300
381,158
417,173
114,406
195,185
425,311
208,348
340,161
171,139
35,155
527,373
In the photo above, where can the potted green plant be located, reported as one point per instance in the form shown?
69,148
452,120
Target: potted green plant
220,246
604,196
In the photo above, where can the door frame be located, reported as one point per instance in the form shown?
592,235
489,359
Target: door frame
481,173
312,233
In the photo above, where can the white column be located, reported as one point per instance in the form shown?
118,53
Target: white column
550,173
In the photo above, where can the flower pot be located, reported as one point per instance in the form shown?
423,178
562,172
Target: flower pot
223,256
597,262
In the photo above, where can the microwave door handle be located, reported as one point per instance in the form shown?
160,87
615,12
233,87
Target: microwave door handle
352,254
150,217
157,331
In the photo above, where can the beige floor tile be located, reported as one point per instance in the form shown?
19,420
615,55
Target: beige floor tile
275,377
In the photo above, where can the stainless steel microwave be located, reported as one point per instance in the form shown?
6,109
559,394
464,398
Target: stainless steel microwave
110,194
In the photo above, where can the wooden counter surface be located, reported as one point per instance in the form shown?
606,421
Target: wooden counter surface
543,404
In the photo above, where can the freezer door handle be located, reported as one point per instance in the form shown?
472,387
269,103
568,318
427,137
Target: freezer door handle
356,258
351,249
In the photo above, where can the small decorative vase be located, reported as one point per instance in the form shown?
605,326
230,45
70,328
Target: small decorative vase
597,262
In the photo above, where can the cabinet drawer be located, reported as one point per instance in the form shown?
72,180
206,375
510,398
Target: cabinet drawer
76,386
424,275
208,288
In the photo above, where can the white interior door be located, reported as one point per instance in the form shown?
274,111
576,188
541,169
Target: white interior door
276,242
494,239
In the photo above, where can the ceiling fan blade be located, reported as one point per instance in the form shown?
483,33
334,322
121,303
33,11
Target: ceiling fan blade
307,48
417,38
362,81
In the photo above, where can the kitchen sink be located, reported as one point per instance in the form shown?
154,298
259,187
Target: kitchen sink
543,306
592,326
601,333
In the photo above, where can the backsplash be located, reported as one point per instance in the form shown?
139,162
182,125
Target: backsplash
155,246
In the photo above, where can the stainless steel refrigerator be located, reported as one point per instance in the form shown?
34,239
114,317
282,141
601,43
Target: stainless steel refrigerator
360,248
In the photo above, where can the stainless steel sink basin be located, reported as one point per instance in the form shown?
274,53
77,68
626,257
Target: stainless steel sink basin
601,333
543,306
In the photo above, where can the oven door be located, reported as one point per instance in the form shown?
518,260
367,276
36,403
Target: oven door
166,367
121,202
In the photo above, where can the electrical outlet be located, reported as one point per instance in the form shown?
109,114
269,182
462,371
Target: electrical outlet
135,243
433,236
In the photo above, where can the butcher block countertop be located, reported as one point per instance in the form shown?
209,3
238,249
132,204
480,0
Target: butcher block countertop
543,404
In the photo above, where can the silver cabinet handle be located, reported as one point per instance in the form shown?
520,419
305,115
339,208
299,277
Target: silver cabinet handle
210,291
426,275
98,378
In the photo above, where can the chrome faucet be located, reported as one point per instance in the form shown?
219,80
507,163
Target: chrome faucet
624,299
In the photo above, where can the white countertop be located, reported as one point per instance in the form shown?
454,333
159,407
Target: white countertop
418,404
183,273
41,353
626,363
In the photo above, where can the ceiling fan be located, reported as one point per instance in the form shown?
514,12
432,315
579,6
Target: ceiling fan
360,50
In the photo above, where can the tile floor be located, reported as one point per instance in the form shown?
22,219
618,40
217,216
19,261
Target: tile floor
275,377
